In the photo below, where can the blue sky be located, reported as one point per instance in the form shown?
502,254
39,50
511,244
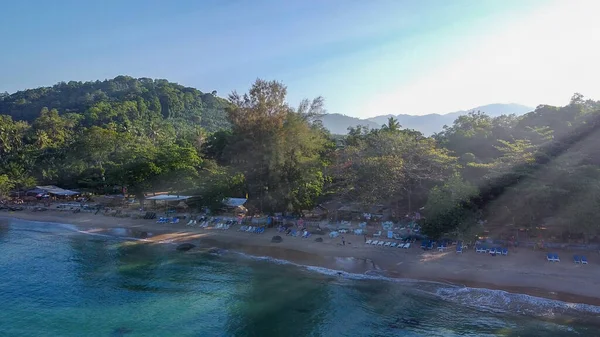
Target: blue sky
365,57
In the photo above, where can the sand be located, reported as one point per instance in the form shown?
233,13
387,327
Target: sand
522,271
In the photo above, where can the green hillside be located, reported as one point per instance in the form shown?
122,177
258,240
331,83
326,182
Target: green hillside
123,100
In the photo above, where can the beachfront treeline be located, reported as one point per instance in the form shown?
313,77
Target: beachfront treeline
540,170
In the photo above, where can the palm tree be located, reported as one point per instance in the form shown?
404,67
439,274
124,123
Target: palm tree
392,125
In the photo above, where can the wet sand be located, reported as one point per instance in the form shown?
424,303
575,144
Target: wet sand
522,271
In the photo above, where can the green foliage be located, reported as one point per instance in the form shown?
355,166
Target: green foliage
124,101
5,185
392,167
278,149
450,209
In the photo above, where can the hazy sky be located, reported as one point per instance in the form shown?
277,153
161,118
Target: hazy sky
365,57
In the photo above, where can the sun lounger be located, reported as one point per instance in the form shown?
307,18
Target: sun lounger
406,245
377,234
505,251
368,242
394,244
441,248
556,258
576,259
250,229
175,220
583,259
459,249
191,222
381,243
387,244
550,257
374,242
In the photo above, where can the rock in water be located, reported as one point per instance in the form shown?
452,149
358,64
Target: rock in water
319,239
184,247
119,332
276,239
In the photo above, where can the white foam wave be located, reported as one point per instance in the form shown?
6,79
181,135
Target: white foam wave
499,300
479,298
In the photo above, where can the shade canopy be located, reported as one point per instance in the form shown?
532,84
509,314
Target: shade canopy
234,202
169,197
54,190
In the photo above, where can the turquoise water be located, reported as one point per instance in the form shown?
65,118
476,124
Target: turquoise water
55,281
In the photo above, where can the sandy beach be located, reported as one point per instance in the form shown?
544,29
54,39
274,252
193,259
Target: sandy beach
522,271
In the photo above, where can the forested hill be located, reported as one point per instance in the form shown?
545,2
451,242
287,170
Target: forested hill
538,173
123,100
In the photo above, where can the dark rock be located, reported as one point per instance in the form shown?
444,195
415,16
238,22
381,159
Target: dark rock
118,332
184,247
319,239
215,251
276,239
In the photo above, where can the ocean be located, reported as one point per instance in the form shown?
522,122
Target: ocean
57,281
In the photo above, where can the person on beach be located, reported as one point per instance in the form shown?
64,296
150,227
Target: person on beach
343,241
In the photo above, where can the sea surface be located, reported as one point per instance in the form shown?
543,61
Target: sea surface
58,281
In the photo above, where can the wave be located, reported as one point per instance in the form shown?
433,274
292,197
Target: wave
492,300
501,300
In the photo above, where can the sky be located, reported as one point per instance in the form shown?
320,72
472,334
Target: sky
366,58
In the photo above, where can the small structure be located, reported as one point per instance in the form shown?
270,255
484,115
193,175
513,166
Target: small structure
234,202
168,200
168,197
53,191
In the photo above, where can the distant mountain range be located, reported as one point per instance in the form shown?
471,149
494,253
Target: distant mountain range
427,124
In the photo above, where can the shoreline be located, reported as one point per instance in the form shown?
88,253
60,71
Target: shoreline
523,271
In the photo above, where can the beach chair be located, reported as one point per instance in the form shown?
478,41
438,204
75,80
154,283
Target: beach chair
195,223
583,259
441,248
394,244
374,242
550,257
556,258
406,245
243,228
377,234
387,244
505,251
459,249
175,220
191,222
250,229
368,242
576,259
381,243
